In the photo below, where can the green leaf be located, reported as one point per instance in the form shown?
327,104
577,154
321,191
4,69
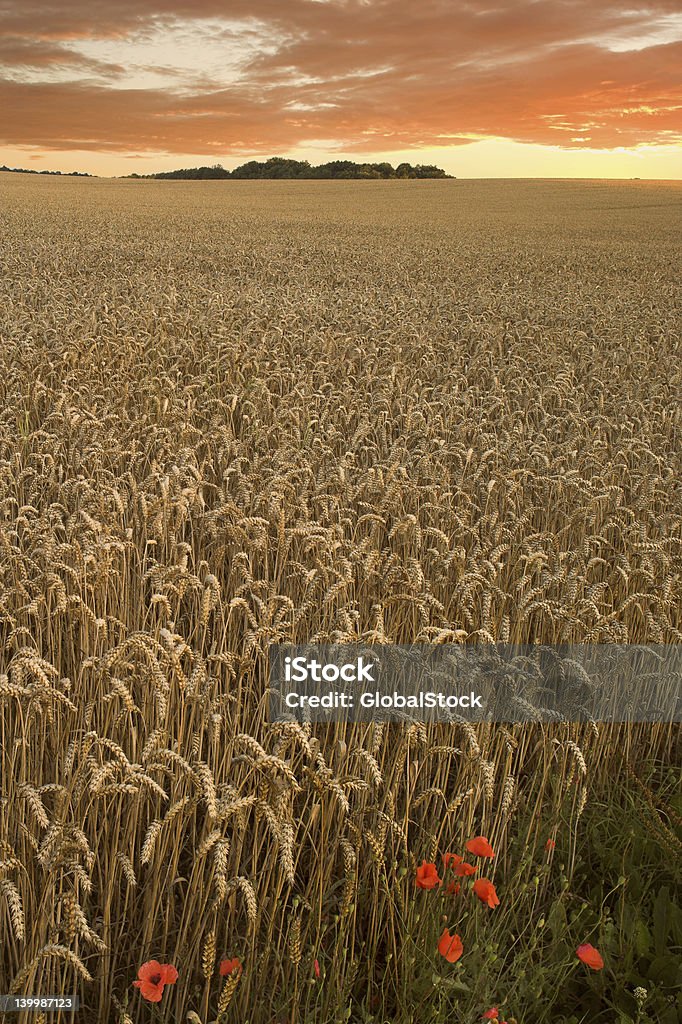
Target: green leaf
676,923
556,920
456,984
642,938
661,917
668,1015
663,970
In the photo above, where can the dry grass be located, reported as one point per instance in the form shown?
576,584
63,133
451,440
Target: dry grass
237,414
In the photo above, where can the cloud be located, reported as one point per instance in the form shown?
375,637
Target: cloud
21,56
180,77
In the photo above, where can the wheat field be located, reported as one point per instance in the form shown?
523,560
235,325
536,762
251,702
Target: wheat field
240,413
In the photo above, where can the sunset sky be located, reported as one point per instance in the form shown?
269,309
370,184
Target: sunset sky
487,88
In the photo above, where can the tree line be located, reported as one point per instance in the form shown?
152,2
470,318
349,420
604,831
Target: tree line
65,174
281,167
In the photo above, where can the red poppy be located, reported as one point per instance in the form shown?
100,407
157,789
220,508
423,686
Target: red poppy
485,890
492,1014
450,946
451,858
590,956
453,888
427,876
550,844
227,967
480,847
316,966
463,870
152,977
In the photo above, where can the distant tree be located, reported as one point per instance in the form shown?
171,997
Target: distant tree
251,169
192,173
429,171
283,167
26,170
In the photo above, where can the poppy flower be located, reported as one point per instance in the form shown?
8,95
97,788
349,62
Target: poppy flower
152,977
550,844
450,946
590,956
480,847
228,966
451,858
463,870
485,890
316,966
427,876
453,888
492,1014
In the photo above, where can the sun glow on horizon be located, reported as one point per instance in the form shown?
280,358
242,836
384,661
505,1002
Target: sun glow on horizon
489,158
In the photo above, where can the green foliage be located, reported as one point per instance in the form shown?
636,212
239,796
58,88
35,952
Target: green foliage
65,174
281,167
621,895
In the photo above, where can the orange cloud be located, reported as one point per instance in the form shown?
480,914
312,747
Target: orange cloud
382,75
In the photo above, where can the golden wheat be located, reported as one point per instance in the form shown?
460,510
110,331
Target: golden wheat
253,417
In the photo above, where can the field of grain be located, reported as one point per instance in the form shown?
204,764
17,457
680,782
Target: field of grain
234,413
